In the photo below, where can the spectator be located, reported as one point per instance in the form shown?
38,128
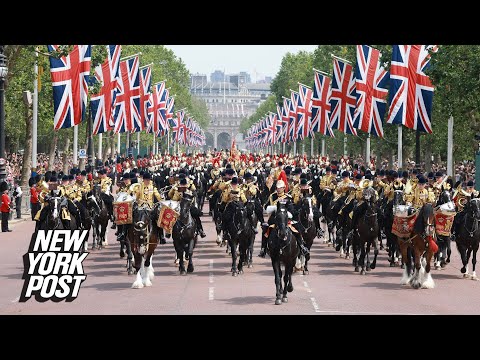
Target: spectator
5,209
17,195
34,203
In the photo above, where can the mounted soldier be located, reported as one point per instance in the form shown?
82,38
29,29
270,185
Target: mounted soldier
70,193
280,194
360,207
420,196
232,192
461,197
304,189
107,197
123,187
252,191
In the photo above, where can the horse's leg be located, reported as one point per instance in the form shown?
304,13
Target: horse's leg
427,280
243,255
449,249
103,235
361,259
233,249
139,266
355,249
474,261
130,270
250,250
148,274
191,246
375,253
367,255
462,249
416,282
278,279
287,279
407,266
179,250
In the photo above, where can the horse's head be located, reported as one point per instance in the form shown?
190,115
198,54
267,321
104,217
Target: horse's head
473,208
92,202
425,223
141,226
371,211
306,206
444,197
54,207
398,197
186,203
239,215
281,219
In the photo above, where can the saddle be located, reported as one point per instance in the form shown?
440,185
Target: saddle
290,225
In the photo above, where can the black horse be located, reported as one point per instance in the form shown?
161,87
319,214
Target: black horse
392,244
330,213
184,233
442,256
217,215
468,237
367,234
250,206
241,235
98,212
283,250
309,233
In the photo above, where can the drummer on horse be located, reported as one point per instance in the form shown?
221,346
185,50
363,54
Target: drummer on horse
107,197
461,198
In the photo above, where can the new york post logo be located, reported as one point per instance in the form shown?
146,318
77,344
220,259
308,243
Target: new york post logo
53,267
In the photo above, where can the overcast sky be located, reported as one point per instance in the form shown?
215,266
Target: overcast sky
258,60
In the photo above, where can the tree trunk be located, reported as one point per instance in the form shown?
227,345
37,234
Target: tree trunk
27,153
65,155
428,156
51,155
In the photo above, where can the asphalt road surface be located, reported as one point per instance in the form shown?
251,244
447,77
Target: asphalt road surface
331,288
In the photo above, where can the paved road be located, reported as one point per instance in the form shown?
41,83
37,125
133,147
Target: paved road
332,287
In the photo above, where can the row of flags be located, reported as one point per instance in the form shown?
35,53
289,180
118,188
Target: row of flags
125,102
354,99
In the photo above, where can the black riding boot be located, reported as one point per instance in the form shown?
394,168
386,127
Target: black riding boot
120,234
161,236
301,244
263,250
200,227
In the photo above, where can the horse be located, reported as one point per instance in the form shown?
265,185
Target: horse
305,217
283,249
217,215
99,214
468,237
443,241
392,244
421,246
367,234
201,185
241,235
142,239
250,206
184,233
330,214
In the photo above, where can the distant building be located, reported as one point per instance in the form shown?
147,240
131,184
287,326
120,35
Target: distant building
217,76
198,80
268,79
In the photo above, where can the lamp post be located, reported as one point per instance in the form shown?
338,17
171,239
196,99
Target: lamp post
3,76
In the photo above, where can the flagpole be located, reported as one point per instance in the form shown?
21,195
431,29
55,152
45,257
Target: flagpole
35,115
308,87
138,143
323,146
100,144
450,147
75,145
118,145
399,149
321,72
144,66
130,56
128,143
339,58
345,144
367,158
311,147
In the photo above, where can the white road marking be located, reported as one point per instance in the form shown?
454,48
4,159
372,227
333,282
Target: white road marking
15,300
315,305
307,287
211,291
210,276
356,312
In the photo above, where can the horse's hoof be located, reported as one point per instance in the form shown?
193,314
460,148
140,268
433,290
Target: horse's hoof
305,272
368,268
437,267
392,264
402,266
290,288
249,266
131,272
463,270
416,285
347,257
278,302
372,266
234,273
448,260
122,254
285,299
183,272
363,272
466,276
357,269
240,272
474,278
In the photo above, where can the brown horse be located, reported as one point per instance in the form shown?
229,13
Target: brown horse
143,239
420,246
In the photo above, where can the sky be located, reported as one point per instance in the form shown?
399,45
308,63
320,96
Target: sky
258,60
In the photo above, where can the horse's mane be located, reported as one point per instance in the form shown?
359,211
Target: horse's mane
425,212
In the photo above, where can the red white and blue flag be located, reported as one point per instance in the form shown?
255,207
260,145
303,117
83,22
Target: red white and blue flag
294,97
177,125
321,105
304,111
371,87
70,79
169,113
102,103
127,99
282,124
155,103
145,91
411,91
342,97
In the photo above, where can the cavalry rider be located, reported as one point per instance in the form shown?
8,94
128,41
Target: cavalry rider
106,194
361,206
43,190
420,196
251,192
280,194
176,193
123,187
327,178
305,189
437,185
232,193
461,198
70,192
343,186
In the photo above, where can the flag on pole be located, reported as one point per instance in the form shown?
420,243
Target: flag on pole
155,103
70,76
127,99
411,91
304,111
101,104
145,91
321,105
371,86
342,97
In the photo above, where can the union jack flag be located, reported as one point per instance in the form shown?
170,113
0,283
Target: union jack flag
411,91
145,91
102,103
371,87
281,128
321,105
285,119
169,114
342,97
70,78
294,97
177,125
155,103
304,111
127,100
